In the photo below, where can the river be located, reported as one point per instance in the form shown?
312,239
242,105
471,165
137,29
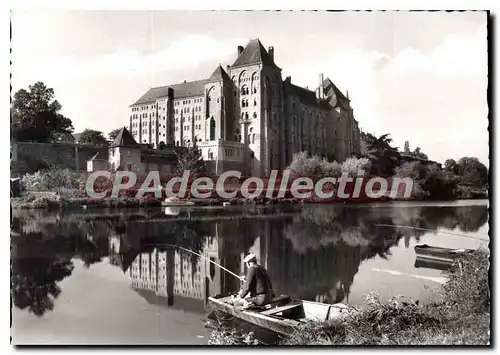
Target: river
109,276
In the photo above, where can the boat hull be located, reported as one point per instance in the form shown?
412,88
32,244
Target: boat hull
426,252
283,323
177,204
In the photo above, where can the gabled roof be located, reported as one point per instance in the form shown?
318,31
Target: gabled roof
124,138
254,53
185,89
219,74
331,89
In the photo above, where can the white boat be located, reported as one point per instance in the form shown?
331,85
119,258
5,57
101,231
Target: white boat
283,317
175,201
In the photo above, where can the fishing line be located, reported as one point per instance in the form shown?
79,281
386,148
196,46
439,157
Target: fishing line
430,230
213,262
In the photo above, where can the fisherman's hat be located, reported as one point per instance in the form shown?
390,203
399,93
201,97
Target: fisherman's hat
250,257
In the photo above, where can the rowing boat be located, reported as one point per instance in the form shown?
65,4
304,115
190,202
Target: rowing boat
439,254
283,316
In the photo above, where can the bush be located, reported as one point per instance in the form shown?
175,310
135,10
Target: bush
467,287
53,180
353,165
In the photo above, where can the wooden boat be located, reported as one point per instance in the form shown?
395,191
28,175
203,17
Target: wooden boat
175,201
441,265
439,254
283,316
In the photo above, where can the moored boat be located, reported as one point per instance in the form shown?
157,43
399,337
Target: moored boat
175,201
439,254
283,316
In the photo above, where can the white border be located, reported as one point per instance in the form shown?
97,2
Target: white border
199,5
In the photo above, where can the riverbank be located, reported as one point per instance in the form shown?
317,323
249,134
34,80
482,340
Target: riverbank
54,201
461,316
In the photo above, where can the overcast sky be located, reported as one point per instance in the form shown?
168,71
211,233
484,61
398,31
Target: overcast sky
420,76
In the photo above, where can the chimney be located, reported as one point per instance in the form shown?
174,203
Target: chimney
321,87
240,50
270,50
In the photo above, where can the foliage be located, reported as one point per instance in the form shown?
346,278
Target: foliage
429,181
92,137
113,134
353,165
383,156
55,179
467,286
227,336
472,172
418,154
318,167
36,117
192,160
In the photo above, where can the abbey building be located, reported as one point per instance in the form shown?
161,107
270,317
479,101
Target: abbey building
247,117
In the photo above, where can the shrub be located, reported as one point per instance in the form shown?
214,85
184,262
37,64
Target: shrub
353,165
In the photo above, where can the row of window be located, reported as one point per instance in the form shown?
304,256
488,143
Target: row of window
144,108
244,103
188,109
187,102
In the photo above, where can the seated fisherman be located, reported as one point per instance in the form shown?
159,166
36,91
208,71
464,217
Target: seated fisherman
256,283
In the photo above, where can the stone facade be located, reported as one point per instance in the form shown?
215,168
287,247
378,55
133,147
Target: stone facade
251,105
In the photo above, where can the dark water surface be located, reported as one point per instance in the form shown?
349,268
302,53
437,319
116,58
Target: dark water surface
109,276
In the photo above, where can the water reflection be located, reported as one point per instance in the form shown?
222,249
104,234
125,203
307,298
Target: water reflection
311,253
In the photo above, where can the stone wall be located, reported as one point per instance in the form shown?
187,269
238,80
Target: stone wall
31,157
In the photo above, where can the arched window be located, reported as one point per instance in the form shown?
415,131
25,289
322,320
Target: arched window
251,129
212,129
254,102
244,90
246,115
246,103
254,115
253,138
249,138
243,76
242,103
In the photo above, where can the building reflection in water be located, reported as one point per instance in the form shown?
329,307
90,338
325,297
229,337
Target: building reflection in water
313,254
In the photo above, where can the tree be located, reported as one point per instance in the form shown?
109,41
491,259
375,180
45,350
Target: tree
36,117
92,137
451,166
192,160
112,135
384,157
418,154
472,172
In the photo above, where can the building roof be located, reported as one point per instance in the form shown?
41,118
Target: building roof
185,89
219,74
331,89
124,138
254,53
305,96
76,137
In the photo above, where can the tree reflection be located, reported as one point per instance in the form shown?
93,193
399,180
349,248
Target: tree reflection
36,269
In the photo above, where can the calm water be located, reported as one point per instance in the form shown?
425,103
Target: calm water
111,277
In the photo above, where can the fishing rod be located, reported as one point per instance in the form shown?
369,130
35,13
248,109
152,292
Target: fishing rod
430,230
213,262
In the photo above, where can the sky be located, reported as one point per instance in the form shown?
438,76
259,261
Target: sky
420,76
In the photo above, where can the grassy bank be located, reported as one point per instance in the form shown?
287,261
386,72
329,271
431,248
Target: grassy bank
461,316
